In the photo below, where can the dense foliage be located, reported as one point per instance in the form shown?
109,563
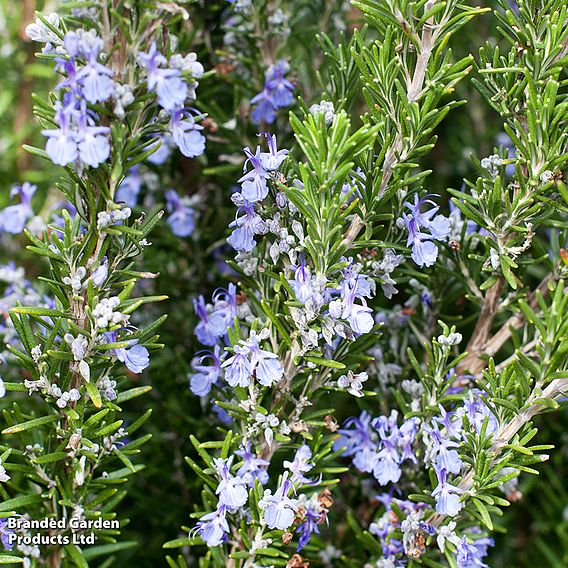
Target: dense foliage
283,283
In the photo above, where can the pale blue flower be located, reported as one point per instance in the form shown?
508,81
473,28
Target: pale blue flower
387,467
135,357
253,468
232,489
280,88
129,189
300,465
213,527
205,376
254,187
447,496
272,159
168,84
359,316
215,318
238,369
182,217
61,145
302,283
163,143
424,251
250,359
13,218
6,534
246,227
277,93
279,509
186,135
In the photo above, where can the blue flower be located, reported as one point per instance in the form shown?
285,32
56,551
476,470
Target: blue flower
253,468
272,159
470,555
477,412
2,388
231,490
6,534
61,146
360,442
202,329
163,143
447,496
387,467
279,509
406,436
224,309
168,84
265,109
280,87
68,68
238,369
213,527
14,217
205,376
76,138
302,283
445,458
315,513
266,366
182,218
300,465
277,93
222,414
97,83
446,420
309,526
129,189
359,316
95,78
186,135
135,356
249,358
383,454
94,148
246,227
254,186
424,251
215,318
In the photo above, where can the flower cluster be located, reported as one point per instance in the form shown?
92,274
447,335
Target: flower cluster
277,93
249,359
340,303
378,445
279,509
79,137
88,79
168,80
254,188
217,317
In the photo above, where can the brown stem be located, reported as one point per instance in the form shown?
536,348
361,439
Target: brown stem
477,343
515,322
54,559
23,113
392,156
488,346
